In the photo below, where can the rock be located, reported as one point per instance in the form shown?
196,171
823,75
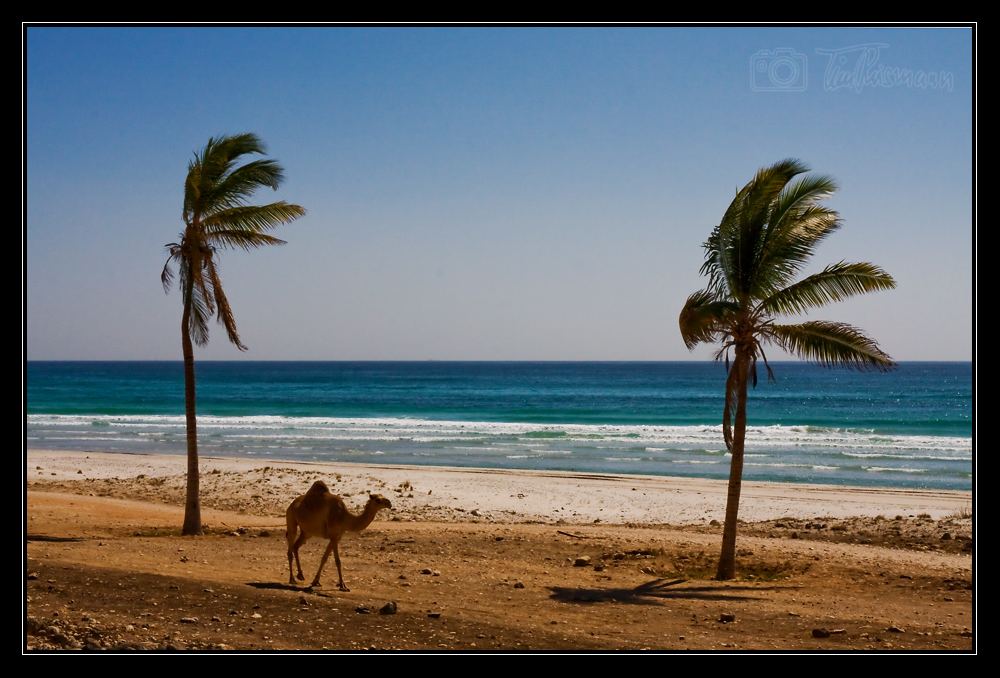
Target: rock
61,639
426,570
33,626
189,620
519,585
714,523
434,615
727,617
388,608
362,609
583,561
895,629
821,633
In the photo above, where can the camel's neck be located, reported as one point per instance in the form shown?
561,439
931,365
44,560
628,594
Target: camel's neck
360,522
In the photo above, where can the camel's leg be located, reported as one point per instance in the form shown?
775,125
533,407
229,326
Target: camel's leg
293,549
290,534
336,557
332,546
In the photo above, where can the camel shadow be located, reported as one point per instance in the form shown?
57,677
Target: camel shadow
45,537
291,587
653,592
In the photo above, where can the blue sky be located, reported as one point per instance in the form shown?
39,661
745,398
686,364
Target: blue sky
486,194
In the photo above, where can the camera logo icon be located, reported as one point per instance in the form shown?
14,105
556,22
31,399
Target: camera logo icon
783,70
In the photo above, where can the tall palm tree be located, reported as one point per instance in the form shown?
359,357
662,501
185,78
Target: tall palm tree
216,215
751,259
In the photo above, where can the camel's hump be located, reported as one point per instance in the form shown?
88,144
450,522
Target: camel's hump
319,487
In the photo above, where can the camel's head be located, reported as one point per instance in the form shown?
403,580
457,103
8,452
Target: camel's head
379,502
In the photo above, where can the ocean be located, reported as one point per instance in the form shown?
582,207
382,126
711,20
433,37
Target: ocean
908,428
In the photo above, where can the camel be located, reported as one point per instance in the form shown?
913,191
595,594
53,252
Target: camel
320,513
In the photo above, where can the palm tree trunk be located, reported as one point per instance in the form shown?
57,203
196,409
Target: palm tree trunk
192,505
727,559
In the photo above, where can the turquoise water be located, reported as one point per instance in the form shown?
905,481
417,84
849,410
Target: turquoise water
908,428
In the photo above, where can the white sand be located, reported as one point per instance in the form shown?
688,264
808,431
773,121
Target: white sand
543,495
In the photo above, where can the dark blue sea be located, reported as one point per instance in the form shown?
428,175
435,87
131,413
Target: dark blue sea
908,428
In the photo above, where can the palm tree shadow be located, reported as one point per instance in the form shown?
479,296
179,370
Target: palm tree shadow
651,593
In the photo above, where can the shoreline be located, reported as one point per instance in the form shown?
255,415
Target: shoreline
435,492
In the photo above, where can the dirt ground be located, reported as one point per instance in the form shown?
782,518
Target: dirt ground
106,569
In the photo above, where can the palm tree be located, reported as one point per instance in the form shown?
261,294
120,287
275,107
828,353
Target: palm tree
216,215
764,239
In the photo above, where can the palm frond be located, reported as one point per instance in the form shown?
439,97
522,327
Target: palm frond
788,246
244,240
194,304
704,318
166,277
798,196
211,167
251,218
735,246
243,181
225,314
834,283
173,254
832,344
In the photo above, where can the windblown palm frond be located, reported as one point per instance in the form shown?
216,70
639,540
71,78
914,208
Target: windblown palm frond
703,318
832,344
834,283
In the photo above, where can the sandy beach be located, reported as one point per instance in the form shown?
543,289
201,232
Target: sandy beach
489,560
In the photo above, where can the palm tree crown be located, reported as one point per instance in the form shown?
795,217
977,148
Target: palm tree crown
752,258
216,214
764,239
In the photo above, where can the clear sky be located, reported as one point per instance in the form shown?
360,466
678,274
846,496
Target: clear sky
486,194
